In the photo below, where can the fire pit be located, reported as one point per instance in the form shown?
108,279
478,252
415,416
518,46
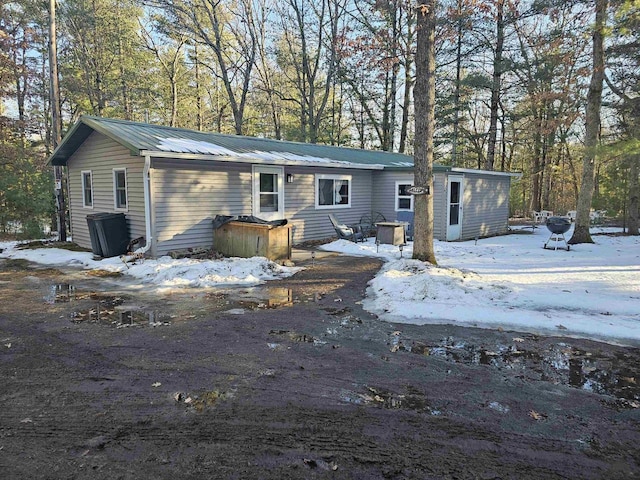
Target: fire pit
558,226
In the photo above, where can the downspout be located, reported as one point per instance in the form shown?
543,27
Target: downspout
146,179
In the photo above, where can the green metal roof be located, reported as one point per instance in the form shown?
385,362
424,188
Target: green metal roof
141,138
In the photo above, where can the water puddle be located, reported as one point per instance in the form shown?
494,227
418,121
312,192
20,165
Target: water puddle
254,298
347,319
116,310
64,293
560,363
297,337
411,400
110,310
104,309
264,297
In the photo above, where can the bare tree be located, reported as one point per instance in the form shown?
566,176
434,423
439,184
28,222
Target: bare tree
581,232
424,99
56,120
496,85
311,36
170,61
229,30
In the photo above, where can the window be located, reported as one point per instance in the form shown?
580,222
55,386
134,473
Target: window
333,191
120,188
87,189
404,200
268,183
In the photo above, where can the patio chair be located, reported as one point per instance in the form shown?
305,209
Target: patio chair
536,217
368,223
352,233
407,219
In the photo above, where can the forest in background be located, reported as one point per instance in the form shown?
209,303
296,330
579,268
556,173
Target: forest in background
511,86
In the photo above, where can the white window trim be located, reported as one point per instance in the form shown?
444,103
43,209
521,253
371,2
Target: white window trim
397,197
126,190
82,176
319,177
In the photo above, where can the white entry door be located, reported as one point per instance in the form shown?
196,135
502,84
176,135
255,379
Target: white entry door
268,192
454,210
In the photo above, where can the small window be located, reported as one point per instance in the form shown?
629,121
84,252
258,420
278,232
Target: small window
120,188
268,183
404,200
333,191
87,189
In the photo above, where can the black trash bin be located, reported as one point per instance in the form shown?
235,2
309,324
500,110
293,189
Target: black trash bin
96,248
112,233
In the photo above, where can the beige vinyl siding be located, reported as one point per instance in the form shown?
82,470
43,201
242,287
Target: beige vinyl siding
486,205
188,194
101,155
311,223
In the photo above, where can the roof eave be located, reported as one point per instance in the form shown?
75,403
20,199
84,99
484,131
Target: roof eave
78,134
249,159
487,172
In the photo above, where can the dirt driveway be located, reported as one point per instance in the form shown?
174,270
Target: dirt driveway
294,381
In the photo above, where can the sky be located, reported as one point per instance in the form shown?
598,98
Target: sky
508,282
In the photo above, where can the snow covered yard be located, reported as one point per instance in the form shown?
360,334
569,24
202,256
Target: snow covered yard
593,290
165,272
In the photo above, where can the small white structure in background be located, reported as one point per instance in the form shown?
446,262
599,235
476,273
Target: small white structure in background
542,216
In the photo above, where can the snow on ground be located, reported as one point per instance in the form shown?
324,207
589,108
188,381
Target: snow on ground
163,272
593,290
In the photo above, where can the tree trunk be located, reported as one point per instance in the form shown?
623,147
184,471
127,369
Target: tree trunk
592,130
456,95
424,99
126,102
495,87
196,61
56,123
634,194
408,83
173,80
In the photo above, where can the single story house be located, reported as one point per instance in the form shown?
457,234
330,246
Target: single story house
170,183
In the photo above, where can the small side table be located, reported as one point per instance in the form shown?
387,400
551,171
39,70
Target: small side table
391,233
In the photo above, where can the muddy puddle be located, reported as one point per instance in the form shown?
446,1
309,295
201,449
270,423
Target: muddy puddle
104,309
256,298
121,311
560,363
382,398
112,310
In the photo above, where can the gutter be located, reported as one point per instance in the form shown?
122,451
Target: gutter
517,176
253,158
